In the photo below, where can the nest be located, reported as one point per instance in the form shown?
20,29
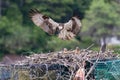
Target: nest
65,64
78,64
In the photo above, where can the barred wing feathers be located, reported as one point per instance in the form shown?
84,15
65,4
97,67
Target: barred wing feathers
43,21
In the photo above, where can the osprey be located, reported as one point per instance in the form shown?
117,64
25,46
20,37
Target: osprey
65,31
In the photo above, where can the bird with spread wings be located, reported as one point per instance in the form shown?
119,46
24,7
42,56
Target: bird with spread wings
65,31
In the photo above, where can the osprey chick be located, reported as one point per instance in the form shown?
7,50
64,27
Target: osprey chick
65,31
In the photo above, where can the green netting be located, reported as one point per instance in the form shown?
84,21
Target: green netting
108,70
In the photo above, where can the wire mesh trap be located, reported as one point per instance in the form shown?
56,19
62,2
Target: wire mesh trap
64,65
108,70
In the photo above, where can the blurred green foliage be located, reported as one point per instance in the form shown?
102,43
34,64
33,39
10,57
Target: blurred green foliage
102,19
18,34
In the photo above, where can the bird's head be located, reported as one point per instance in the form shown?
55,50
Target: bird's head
58,29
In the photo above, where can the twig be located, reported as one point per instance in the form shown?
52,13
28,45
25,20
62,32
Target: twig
91,69
90,46
87,52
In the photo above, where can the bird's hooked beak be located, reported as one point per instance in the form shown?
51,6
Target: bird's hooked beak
57,31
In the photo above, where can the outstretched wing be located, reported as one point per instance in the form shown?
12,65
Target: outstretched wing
71,28
43,21
73,25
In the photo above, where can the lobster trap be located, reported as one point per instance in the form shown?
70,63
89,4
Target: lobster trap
107,70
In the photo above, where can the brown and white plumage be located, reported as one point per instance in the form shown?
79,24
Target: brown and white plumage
65,31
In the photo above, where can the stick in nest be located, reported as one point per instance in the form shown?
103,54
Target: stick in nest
91,69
